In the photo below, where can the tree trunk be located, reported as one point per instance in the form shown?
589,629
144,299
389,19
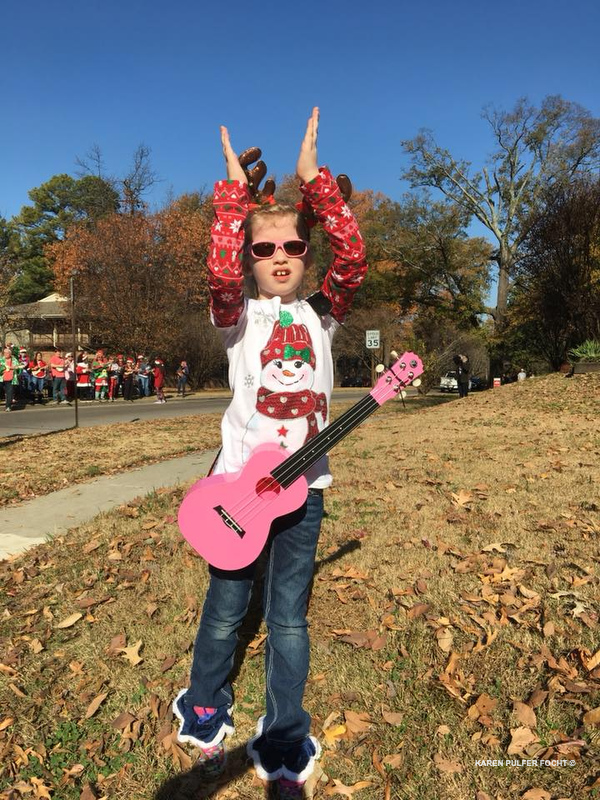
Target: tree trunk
506,262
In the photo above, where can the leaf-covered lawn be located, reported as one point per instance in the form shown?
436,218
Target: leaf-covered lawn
454,621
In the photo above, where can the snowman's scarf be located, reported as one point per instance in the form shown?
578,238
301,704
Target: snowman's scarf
291,405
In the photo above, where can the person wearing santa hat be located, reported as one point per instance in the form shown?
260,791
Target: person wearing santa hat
281,374
129,373
143,376
158,372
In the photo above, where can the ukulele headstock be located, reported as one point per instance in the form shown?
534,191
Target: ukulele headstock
404,371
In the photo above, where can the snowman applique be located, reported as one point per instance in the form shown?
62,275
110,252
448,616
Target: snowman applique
288,412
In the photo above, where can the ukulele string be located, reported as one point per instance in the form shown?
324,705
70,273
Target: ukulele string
286,471
251,502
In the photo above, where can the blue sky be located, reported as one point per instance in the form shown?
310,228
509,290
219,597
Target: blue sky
116,74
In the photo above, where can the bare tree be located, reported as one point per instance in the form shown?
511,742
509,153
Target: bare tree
133,185
535,148
138,180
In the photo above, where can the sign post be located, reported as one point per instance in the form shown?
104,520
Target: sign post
372,342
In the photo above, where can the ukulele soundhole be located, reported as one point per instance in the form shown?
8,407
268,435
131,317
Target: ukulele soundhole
267,485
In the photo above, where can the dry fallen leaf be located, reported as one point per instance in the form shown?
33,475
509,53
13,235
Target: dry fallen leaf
95,705
444,639
592,717
41,790
592,662
333,734
497,546
357,723
445,765
536,794
462,499
88,793
525,714
70,620
347,791
132,653
521,738
393,761
392,717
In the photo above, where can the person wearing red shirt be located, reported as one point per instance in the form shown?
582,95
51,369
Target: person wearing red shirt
38,368
9,370
159,380
59,383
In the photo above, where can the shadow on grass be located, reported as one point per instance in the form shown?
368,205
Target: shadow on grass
250,628
194,784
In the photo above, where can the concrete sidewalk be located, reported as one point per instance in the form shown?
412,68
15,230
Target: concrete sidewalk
33,522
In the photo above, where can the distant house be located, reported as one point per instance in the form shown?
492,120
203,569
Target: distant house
43,325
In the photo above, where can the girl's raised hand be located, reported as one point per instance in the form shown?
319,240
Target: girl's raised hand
307,167
234,168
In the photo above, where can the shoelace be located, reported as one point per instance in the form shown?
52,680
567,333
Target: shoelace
212,761
291,790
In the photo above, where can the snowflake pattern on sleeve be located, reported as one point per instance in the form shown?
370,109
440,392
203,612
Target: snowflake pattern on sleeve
225,278
349,265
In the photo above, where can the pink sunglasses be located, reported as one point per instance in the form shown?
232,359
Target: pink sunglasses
294,248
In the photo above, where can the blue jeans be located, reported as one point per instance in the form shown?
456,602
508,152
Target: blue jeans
143,386
288,579
37,384
59,386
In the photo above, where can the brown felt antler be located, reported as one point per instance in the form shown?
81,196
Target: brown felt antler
256,174
259,170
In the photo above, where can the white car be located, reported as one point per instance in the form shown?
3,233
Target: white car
448,382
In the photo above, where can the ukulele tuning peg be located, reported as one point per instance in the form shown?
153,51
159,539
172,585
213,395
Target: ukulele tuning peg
417,382
402,394
379,369
394,355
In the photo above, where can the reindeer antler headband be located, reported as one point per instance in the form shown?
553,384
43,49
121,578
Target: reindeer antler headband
266,194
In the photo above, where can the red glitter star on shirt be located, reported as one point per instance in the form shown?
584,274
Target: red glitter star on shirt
282,431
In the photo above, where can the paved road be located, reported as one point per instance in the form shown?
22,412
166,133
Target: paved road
43,419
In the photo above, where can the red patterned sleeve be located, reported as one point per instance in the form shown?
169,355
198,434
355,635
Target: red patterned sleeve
349,265
225,278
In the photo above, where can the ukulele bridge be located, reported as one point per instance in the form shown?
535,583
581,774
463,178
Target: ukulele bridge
229,521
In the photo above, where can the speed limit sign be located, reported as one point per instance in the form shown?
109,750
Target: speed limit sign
372,340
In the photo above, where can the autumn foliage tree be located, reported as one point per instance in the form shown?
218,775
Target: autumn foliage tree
139,278
555,302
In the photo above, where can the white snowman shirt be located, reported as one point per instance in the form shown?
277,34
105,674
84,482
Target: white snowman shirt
295,377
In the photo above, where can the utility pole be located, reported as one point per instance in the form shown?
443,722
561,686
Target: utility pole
74,338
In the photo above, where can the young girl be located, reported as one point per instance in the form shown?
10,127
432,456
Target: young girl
281,374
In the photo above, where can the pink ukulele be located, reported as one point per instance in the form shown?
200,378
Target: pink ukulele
227,517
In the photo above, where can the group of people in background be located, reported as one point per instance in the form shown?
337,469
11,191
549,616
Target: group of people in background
99,376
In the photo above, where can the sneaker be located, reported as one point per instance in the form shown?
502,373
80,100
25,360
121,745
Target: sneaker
268,761
299,761
157,401
271,763
211,763
291,790
8,409
206,733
